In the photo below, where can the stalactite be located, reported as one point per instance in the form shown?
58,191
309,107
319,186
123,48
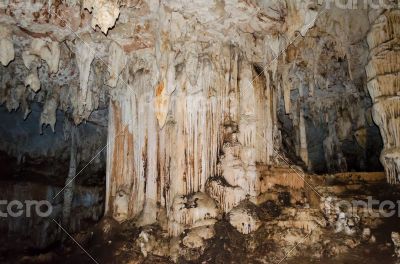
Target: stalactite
16,99
226,196
40,49
311,87
302,129
84,57
198,96
161,104
104,12
6,46
117,61
287,86
273,46
31,62
48,115
383,85
47,51
150,164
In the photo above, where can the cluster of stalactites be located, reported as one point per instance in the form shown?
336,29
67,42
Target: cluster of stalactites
383,71
250,143
39,50
164,142
170,141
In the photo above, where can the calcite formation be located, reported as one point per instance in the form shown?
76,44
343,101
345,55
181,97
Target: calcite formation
32,63
244,218
117,61
47,51
187,146
6,45
192,211
85,53
105,13
396,241
383,86
40,50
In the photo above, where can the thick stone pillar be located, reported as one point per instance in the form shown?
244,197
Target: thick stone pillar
383,73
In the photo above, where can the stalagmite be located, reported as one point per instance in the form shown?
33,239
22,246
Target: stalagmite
70,180
244,218
192,211
383,85
6,46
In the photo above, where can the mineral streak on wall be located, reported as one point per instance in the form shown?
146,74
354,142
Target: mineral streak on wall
384,87
150,164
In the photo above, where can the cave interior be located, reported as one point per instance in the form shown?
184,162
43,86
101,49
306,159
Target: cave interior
202,131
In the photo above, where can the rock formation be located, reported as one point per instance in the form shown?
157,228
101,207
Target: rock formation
383,86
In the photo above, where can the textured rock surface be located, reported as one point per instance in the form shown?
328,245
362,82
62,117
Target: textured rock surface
6,45
244,218
383,86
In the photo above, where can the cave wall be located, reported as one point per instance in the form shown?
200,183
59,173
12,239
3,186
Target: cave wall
35,167
32,153
324,88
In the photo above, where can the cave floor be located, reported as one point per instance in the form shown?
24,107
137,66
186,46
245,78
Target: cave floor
227,247
110,242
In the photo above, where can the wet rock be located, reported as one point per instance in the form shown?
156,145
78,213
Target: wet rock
150,241
366,233
396,242
346,224
269,210
192,211
244,218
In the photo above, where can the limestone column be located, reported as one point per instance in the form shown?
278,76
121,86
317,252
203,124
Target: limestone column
383,73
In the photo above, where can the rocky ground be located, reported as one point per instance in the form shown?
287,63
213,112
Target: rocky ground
287,232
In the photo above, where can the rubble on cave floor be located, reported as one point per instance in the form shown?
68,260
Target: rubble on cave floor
302,231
